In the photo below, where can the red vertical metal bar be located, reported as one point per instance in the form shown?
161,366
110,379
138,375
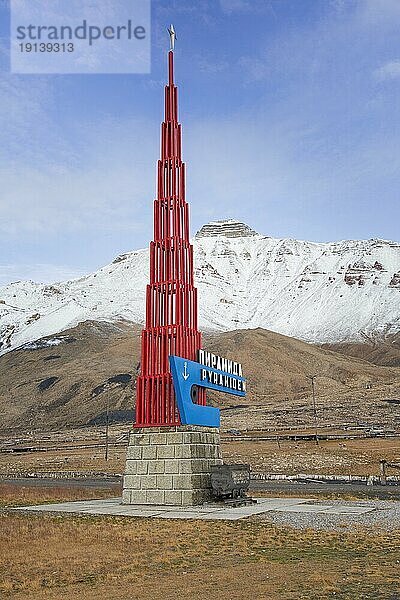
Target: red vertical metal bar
156,321
171,67
158,398
195,308
179,141
165,307
162,400
184,183
146,395
144,351
181,221
175,103
152,270
147,310
173,216
145,354
187,222
168,274
139,405
151,404
189,252
156,272
174,272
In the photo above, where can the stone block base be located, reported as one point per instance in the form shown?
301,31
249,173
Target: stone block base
170,465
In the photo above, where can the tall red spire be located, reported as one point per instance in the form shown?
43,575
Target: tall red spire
171,298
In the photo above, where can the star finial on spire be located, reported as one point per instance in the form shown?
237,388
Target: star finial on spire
172,36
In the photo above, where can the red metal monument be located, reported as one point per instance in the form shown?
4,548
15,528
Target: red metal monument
171,298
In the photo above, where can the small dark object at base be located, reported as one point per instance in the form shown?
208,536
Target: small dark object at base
230,484
241,501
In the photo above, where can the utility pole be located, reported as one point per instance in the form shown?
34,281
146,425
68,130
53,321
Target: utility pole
383,472
313,377
107,420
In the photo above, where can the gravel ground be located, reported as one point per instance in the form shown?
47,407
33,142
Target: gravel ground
385,516
357,490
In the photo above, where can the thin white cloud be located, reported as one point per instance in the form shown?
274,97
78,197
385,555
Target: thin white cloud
254,68
376,13
103,187
390,70
253,6
256,170
208,64
234,5
27,127
38,272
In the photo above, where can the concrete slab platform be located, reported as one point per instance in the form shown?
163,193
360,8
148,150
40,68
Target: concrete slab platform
113,506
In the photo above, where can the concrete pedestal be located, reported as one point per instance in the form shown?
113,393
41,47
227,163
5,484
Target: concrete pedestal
170,465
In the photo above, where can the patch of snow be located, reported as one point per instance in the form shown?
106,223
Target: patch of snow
40,344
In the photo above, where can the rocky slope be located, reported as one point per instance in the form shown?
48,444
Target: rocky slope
384,352
318,292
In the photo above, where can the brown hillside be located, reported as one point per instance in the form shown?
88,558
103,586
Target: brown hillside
384,352
68,385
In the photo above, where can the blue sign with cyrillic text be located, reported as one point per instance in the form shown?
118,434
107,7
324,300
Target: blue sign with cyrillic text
187,373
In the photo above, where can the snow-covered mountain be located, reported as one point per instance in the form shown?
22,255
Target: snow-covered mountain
319,292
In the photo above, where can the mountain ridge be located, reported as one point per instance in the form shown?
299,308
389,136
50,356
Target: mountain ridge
330,292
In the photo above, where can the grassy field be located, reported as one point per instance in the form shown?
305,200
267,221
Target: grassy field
121,558
115,558
346,457
340,457
11,495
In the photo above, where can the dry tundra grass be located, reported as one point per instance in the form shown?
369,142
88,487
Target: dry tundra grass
341,457
47,557
11,495
345,457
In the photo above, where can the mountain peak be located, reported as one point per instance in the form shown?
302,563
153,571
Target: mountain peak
230,228
319,292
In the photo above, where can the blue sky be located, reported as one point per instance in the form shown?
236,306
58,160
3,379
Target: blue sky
290,113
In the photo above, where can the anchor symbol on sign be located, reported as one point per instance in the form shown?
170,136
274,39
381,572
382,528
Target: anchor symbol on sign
185,374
